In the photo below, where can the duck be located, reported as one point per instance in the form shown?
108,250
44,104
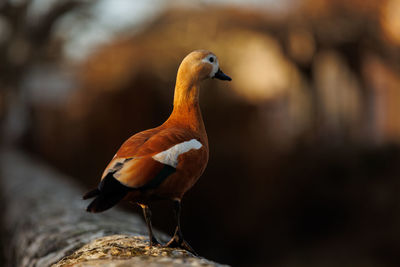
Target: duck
164,162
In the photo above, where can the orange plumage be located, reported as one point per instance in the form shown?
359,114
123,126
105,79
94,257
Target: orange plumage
166,161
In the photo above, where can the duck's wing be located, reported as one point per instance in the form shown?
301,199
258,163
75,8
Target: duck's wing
143,162
147,165
110,191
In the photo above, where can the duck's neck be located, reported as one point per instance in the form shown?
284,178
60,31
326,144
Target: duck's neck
186,109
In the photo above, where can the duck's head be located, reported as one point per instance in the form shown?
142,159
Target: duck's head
200,65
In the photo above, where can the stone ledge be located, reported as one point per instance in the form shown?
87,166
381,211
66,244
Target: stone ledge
46,224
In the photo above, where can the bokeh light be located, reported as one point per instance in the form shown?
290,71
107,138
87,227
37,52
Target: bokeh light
304,142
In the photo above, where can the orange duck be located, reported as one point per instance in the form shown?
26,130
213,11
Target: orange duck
166,161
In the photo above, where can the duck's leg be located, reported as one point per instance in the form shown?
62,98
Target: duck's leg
147,217
177,240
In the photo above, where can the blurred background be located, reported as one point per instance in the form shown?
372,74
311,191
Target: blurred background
304,142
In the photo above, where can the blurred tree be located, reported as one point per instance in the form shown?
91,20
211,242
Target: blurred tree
303,146
26,40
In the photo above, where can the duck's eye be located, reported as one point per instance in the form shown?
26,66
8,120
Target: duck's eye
211,59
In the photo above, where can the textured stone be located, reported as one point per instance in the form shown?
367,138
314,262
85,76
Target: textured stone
123,250
47,225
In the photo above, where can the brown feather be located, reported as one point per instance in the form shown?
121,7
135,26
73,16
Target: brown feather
185,123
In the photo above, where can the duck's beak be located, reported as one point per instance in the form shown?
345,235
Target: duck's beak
222,76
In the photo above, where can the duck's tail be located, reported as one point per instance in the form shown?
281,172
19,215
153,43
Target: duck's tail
108,194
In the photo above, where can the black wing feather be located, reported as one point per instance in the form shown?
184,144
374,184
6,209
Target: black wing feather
108,194
110,191
92,193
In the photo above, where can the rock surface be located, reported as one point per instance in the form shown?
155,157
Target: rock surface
46,224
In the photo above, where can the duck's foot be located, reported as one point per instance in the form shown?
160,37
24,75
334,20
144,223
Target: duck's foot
177,242
154,242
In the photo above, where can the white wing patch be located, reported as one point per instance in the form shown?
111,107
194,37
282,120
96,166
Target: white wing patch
170,156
